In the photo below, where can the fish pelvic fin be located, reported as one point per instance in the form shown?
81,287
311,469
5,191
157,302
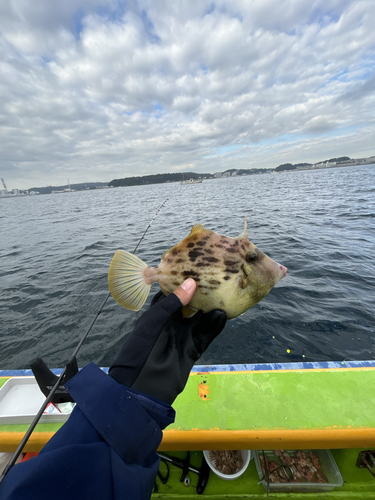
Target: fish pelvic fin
188,312
244,232
126,280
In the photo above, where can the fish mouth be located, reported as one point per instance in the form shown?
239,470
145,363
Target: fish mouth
281,272
284,271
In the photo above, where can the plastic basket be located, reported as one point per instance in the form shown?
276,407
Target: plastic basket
246,457
327,463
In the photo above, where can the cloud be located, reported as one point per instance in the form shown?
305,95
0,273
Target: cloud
97,90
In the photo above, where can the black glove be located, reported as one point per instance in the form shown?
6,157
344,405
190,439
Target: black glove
158,355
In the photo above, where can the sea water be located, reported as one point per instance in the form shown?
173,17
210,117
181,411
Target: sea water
55,251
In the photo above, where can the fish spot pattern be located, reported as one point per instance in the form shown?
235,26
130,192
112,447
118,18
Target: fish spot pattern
210,259
194,254
229,263
202,264
214,282
190,273
232,271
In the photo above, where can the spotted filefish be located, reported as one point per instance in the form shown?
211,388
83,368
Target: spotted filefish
231,273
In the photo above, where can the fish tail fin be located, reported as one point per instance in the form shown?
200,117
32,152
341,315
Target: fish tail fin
126,282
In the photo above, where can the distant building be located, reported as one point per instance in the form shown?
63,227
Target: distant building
218,174
226,174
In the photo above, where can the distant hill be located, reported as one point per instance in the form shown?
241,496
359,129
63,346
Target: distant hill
247,171
337,160
156,179
290,166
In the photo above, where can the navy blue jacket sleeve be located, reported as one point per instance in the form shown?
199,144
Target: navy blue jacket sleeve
106,450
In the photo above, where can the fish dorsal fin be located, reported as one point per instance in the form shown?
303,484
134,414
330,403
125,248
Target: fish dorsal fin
243,235
197,228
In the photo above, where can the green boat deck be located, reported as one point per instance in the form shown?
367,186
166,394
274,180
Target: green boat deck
261,410
319,408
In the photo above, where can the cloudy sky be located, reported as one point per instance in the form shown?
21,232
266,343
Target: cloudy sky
93,90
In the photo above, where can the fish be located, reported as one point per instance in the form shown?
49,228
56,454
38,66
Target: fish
232,274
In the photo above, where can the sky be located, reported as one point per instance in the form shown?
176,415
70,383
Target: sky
93,90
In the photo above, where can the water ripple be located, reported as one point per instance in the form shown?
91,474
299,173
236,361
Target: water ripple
55,251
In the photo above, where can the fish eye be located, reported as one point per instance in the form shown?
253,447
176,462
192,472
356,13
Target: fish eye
251,256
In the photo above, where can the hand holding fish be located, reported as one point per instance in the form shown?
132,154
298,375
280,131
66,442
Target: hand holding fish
158,355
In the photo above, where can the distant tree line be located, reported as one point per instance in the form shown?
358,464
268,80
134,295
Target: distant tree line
247,171
290,166
156,179
342,158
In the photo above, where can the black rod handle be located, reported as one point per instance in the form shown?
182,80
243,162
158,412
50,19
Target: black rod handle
203,477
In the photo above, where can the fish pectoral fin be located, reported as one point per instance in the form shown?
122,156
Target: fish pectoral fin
188,311
244,282
126,282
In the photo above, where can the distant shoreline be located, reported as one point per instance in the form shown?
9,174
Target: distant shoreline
178,177
314,167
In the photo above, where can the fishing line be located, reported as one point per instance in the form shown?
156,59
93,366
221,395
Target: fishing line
71,361
148,227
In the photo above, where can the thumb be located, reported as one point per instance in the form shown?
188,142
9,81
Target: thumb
186,291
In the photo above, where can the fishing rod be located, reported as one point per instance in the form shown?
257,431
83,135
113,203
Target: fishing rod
72,362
